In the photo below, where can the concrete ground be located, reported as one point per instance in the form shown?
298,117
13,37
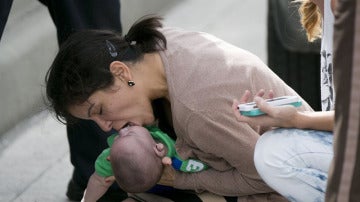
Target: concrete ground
34,154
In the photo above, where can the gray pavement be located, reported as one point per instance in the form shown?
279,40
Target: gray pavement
34,155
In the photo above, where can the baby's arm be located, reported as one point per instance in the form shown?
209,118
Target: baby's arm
96,187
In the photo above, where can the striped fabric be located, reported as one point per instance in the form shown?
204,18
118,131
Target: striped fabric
344,176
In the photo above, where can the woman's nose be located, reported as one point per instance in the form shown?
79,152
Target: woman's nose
103,124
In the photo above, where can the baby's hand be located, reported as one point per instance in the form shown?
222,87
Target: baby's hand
166,161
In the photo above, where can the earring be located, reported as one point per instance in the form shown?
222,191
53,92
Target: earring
131,83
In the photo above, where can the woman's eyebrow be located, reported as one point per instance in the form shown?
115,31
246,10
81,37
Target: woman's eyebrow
89,110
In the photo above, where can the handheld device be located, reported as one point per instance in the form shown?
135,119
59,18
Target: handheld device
251,109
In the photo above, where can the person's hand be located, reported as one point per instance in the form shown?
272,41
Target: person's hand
279,116
166,161
246,96
168,175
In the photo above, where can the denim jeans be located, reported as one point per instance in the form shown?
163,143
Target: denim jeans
295,162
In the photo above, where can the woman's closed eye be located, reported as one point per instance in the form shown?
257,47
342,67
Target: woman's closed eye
98,111
103,112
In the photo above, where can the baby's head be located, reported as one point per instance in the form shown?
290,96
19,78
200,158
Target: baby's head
136,159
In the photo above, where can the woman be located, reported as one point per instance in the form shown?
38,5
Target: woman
185,80
300,159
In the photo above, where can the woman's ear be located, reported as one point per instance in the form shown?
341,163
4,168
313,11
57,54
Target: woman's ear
120,70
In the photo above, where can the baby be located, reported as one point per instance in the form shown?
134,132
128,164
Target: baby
134,161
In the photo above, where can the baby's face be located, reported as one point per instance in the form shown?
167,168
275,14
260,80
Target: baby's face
135,131
133,137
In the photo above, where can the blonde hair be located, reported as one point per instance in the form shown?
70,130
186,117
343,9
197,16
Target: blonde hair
310,18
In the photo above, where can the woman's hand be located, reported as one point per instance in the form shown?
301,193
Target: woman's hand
279,116
168,176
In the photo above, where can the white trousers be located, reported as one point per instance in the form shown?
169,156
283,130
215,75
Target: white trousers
295,162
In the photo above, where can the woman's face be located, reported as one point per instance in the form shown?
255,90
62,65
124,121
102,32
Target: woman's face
116,107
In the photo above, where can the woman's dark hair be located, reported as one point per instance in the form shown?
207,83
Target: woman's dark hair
81,66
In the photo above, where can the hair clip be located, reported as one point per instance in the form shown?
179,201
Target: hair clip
111,49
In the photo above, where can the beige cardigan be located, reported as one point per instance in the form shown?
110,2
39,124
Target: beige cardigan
204,75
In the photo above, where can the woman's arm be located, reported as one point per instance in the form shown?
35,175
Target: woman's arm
322,120
209,180
285,116
227,147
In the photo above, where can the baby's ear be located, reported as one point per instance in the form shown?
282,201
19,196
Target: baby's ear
160,150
